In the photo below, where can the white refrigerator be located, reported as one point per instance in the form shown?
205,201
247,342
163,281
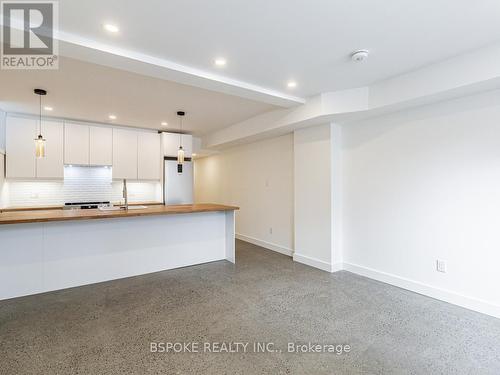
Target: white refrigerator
178,182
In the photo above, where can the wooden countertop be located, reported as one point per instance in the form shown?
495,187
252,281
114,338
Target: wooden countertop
60,207
41,216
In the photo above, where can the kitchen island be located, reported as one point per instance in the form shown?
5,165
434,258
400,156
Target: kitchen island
46,250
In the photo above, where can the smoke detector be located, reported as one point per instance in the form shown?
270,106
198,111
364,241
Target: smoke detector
360,55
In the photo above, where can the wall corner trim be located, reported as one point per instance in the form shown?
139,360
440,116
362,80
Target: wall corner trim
267,245
314,262
470,303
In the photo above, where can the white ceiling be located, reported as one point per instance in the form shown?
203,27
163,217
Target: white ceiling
268,42
172,44
90,92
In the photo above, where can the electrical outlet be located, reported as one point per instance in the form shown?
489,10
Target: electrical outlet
441,266
271,230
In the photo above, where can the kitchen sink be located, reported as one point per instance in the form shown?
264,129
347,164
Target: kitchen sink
118,208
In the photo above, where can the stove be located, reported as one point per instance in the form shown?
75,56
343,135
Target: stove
86,205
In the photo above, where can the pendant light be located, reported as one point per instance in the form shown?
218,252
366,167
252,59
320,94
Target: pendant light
40,141
180,152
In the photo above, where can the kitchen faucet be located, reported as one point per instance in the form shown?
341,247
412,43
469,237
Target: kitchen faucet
125,194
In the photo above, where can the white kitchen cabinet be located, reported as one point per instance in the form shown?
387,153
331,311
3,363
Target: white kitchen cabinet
88,145
101,145
148,156
133,154
52,165
20,147
124,154
76,144
171,142
21,160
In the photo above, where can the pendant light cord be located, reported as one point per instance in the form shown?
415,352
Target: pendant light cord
40,122
180,138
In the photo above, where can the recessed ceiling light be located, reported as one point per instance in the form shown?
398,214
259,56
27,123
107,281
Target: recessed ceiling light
111,28
291,84
194,155
220,61
48,108
112,117
164,123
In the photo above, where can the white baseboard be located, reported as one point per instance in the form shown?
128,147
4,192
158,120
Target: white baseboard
317,263
267,245
470,303
427,290
337,267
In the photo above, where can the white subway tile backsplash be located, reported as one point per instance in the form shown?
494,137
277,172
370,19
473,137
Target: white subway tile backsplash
81,184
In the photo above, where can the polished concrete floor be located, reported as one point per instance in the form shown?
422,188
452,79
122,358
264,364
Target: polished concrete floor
108,328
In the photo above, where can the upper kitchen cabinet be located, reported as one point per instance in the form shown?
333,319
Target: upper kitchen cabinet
171,142
136,155
51,166
20,147
101,145
76,144
125,154
149,156
88,145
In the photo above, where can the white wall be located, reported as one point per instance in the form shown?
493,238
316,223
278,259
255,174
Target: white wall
257,177
2,179
313,205
2,131
384,197
2,156
425,185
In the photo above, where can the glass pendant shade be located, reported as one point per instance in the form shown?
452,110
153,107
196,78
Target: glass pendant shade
40,141
40,147
180,152
180,155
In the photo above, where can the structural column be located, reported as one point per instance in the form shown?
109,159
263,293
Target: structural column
318,196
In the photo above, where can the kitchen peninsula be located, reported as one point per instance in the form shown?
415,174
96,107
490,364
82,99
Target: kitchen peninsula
46,250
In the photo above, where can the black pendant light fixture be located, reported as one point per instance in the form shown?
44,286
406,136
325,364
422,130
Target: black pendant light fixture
40,141
180,152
